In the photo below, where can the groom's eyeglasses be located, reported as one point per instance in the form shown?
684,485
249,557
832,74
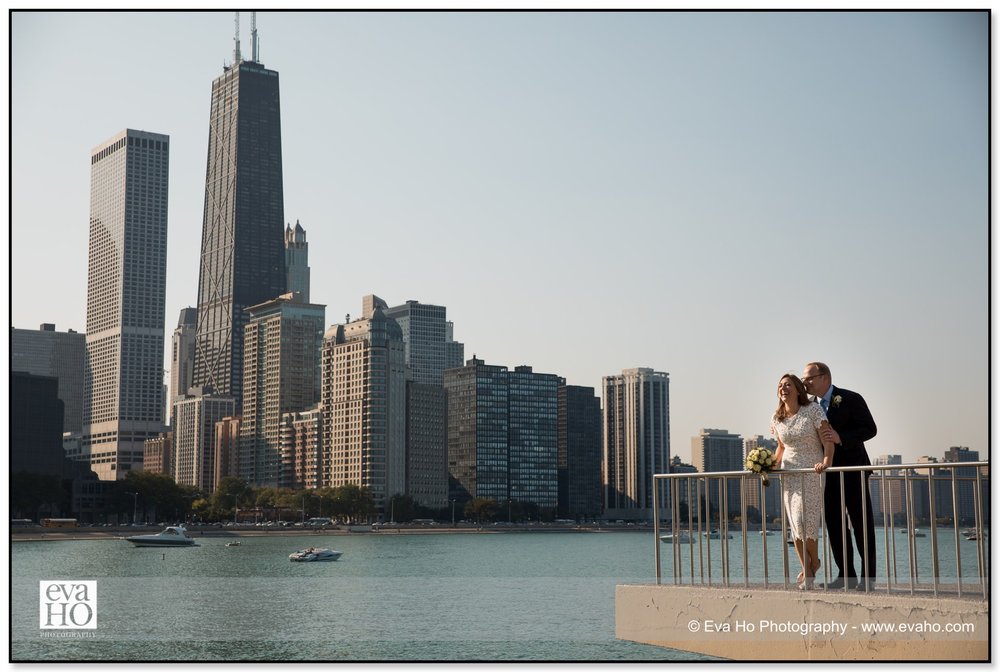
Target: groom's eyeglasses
808,379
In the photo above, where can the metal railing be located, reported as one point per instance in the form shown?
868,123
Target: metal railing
925,568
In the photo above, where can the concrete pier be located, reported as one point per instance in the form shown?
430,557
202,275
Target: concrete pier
749,624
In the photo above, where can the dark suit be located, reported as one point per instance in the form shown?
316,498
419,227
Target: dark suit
853,422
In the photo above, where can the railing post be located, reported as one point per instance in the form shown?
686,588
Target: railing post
980,541
743,520
958,549
865,501
933,515
656,527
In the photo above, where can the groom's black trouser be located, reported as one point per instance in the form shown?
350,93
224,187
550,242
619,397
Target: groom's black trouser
835,522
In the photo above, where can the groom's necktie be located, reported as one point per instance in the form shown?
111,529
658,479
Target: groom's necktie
823,403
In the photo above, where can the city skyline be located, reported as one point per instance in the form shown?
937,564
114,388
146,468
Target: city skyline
719,196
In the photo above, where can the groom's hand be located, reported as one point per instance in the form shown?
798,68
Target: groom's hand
831,435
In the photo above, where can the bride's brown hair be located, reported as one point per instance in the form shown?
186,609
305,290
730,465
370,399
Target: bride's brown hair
800,388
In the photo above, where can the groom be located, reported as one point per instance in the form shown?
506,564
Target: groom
851,424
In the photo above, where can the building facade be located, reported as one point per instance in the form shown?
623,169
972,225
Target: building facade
182,357
364,405
427,444
715,450
532,437
126,287
428,339
297,261
965,482
478,419
636,442
61,355
281,374
579,454
226,445
158,455
194,437
242,240
301,448
36,418
502,434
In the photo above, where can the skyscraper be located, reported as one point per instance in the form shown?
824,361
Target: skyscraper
126,286
364,404
297,260
242,239
281,372
579,452
427,334
718,450
36,418
636,441
429,350
182,357
47,352
502,434
478,418
195,419
532,436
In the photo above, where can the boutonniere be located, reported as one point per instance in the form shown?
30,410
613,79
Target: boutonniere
836,401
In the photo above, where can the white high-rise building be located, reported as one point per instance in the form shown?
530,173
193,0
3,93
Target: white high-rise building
126,286
636,442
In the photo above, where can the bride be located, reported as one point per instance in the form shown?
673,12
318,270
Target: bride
797,424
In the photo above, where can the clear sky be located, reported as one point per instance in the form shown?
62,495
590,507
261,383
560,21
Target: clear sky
721,196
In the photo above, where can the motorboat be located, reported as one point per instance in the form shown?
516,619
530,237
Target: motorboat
170,536
314,555
234,543
715,534
679,538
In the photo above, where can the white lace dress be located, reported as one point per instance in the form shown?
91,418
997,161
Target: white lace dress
803,493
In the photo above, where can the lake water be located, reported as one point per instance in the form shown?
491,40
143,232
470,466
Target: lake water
514,596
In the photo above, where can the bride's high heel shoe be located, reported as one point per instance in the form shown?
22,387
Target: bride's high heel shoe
808,584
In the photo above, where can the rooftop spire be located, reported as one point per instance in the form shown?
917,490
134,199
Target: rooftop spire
253,36
236,40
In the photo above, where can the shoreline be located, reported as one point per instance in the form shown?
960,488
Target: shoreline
120,533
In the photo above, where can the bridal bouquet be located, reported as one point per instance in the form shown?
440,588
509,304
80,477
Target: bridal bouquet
760,461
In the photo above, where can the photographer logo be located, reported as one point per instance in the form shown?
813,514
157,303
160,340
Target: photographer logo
67,605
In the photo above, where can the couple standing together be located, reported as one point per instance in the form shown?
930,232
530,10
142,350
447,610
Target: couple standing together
828,430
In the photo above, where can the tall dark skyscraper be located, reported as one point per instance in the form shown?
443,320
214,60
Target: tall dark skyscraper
242,239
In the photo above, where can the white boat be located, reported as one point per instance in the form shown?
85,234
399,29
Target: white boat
171,536
715,534
679,538
234,543
314,555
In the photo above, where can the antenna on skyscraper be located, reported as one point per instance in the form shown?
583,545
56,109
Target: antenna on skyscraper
253,36
236,39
